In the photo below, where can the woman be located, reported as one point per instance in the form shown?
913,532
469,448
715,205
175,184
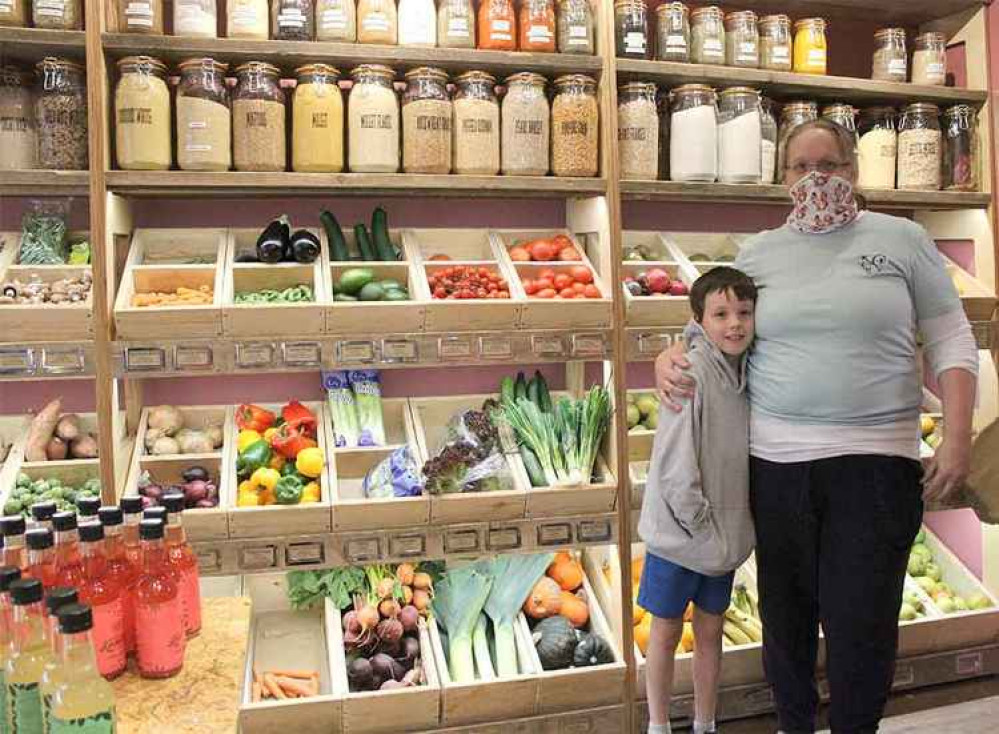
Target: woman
835,390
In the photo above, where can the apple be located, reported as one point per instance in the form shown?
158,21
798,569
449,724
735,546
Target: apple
678,288
658,280
979,601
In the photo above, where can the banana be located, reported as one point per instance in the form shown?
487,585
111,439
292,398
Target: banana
745,623
734,633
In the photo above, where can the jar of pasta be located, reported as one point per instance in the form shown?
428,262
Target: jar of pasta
843,115
631,29
792,115
920,151
742,40
576,27
575,126
65,15
638,131
929,60
960,148
768,142
140,16
14,13
740,136
693,152
258,119
707,36
373,121
247,19
61,115
775,43
476,125
377,22
292,20
18,132
810,46
537,26
336,20
317,120
456,24
204,120
526,126
142,115
673,32
878,148
890,58
426,122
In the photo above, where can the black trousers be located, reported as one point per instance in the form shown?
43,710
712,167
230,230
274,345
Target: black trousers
833,539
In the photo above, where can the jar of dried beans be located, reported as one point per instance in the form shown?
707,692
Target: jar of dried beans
575,126
61,114
373,121
204,120
742,40
638,131
476,125
142,115
18,132
890,58
526,126
258,119
960,148
426,122
673,32
920,151
317,120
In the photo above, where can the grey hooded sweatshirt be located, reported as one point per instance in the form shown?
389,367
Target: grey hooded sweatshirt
696,507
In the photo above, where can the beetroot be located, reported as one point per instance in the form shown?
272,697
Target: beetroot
409,617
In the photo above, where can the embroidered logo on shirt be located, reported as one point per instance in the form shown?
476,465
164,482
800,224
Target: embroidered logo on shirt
875,264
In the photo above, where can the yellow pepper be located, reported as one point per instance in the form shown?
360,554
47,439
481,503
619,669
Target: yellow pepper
309,462
247,499
265,478
245,439
310,493
267,497
269,434
246,486
277,461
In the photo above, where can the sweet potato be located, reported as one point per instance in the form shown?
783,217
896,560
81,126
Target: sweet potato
42,427
68,427
84,447
56,449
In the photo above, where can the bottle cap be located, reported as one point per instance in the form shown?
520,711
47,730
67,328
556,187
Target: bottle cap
155,513
63,522
74,618
42,511
151,529
38,538
173,502
131,505
110,515
26,591
12,525
8,575
88,506
91,532
59,596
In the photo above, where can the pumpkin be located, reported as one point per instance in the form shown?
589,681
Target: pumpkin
574,609
555,640
642,632
566,571
545,599
592,650
687,638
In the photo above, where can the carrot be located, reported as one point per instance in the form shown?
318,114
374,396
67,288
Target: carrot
271,685
256,692
304,674
40,431
294,687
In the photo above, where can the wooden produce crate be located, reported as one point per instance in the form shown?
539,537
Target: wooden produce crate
280,520
384,712
254,320
199,524
348,467
640,439
978,301
464,247
49,321
13,429
703,249
473,703
162,260
72,474
395,237
88,424
430,417
660,310
359,318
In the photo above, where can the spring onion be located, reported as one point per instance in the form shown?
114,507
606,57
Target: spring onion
514,575
458,600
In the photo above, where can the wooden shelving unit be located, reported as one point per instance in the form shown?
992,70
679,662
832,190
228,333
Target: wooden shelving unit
34,44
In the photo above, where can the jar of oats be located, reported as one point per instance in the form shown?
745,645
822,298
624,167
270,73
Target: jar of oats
920,150
476,125
638,131
317,120
61,115
575,126
204,120
63,15
426,122
142,115
526,126
258,119
18,132
373,121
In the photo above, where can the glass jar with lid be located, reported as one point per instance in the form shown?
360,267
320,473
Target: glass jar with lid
792,115
775,43
204,119
842,114
456,24
525,126
768,142
740,136
317,120
61,115
64,15
673,32
631,29
292,20
14,13
576,27
142,115
960,148
575,126
920,149
929,60
476,125
373,121
336,20
693,134
427,117
18,132
497,22
742,40
258,119
707,36
417,23
810,46
878,148
537,26
377,22
140,16
248,19
197,18
890,57
638,131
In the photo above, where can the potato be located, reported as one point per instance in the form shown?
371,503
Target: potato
56,449
84,447
68,427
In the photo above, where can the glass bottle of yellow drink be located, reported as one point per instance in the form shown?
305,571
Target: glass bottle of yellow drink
83,701
56,598
27,657
8,575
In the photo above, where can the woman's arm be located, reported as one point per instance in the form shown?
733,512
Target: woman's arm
951,463
672,382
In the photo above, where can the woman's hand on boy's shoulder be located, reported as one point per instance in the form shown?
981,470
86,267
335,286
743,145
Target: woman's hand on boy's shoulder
672,382
947,470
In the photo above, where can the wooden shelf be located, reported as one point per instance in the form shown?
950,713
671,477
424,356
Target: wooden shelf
44,183
290,54
786,86
34,44
776,194
188,183
899,12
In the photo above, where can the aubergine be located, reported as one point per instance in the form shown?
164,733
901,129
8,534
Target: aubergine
274,241
304,247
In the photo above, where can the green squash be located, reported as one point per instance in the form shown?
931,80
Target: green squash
555,640
592,650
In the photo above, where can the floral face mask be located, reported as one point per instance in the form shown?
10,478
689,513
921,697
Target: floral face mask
823,202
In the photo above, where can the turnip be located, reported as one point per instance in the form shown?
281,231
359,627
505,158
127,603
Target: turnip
421,599
405,574
388,608
409,617
423,581
385,588
360,675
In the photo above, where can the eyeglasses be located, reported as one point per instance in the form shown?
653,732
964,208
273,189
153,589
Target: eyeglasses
822,167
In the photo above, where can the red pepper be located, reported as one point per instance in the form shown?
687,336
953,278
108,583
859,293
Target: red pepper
254,418
295,412
291,438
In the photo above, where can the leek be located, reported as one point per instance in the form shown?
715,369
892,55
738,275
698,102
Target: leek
594,419
514,575
343,408
458,600
539,431
480,647
368,397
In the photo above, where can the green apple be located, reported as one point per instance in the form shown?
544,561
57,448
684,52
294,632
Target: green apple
906,612
933,571
960,604
979,601
647,404
927,584
917,565
634,415
946,604
652,420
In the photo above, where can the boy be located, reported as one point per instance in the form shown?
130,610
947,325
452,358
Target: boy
695,516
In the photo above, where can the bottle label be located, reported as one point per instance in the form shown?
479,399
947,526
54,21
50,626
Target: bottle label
578,31
160,636
24,707
102,723
243,17
109,642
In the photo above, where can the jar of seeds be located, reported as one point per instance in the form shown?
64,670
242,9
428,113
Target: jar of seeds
575,126
426,122
526,128
61,114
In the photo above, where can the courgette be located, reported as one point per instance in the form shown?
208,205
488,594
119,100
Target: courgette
507,393
364,243
544,401
520,386
533,393
534,471
380,235
338,245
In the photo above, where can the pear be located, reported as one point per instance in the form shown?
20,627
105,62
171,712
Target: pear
933,571
979,601
917,565
927,584
906,612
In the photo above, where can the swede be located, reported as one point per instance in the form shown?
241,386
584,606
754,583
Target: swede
167,418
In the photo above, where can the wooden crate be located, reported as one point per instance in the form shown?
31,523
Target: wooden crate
658,310
703,248
465,247
348,466
152,266
430,417
13,430
599,496
50,321
72,474
395,236
280,520
650,243
378,317
640,439
384,712
199,524
978,301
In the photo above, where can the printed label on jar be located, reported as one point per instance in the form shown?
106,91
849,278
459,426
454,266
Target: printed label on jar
634,43
476,125
102,723
255,118
6,6
676,43
712,45
24,703
574,127
50,8
14,124
936,68
578,31
457,27
376,22
817,56
539,34
291,18
374,121
333,20
320,120
433,123
528,127
243,17
896,67
639,134
501,25
781,53
139,9
160,638
135,116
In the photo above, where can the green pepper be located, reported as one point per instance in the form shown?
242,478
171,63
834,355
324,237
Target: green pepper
289,490
256,455
289,469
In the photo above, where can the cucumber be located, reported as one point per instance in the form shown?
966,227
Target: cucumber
520,386
338,245
506,390
533,393
534,471
544,397
364,243
380,235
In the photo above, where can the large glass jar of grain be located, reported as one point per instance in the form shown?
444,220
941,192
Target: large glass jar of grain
575,126
456,24
373,121
476,125
740,136
317,121
204,120
890,59
142,115
673,32
247,19
526,126
878,148
61,115
64,15
18,132
140,16
258,119
792,115
426,122
742,40
638,131
576,27
14,13
693,134
292,20
929,60
336,20
775,43
198,18
707,35
920,152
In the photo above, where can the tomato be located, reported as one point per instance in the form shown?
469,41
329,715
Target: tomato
562,281
561,241
520,254
546,273
440,292
567,293
439,257
544,283
569,254
578,287
581,273
591,291
543,250
546,293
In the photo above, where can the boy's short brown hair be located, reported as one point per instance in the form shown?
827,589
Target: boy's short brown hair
721,280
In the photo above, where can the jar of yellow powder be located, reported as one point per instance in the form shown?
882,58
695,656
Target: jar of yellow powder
810,46
317,121
142,115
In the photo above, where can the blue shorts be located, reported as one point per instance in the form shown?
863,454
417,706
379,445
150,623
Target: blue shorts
666,589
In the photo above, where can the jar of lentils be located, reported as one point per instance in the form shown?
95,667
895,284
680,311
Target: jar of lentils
673,32
707,36
775,43
526,126
476,125
426,122
61,115
575,126
742,40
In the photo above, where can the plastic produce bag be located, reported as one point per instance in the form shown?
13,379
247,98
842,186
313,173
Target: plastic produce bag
343,408
43,234
397,475
469,459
